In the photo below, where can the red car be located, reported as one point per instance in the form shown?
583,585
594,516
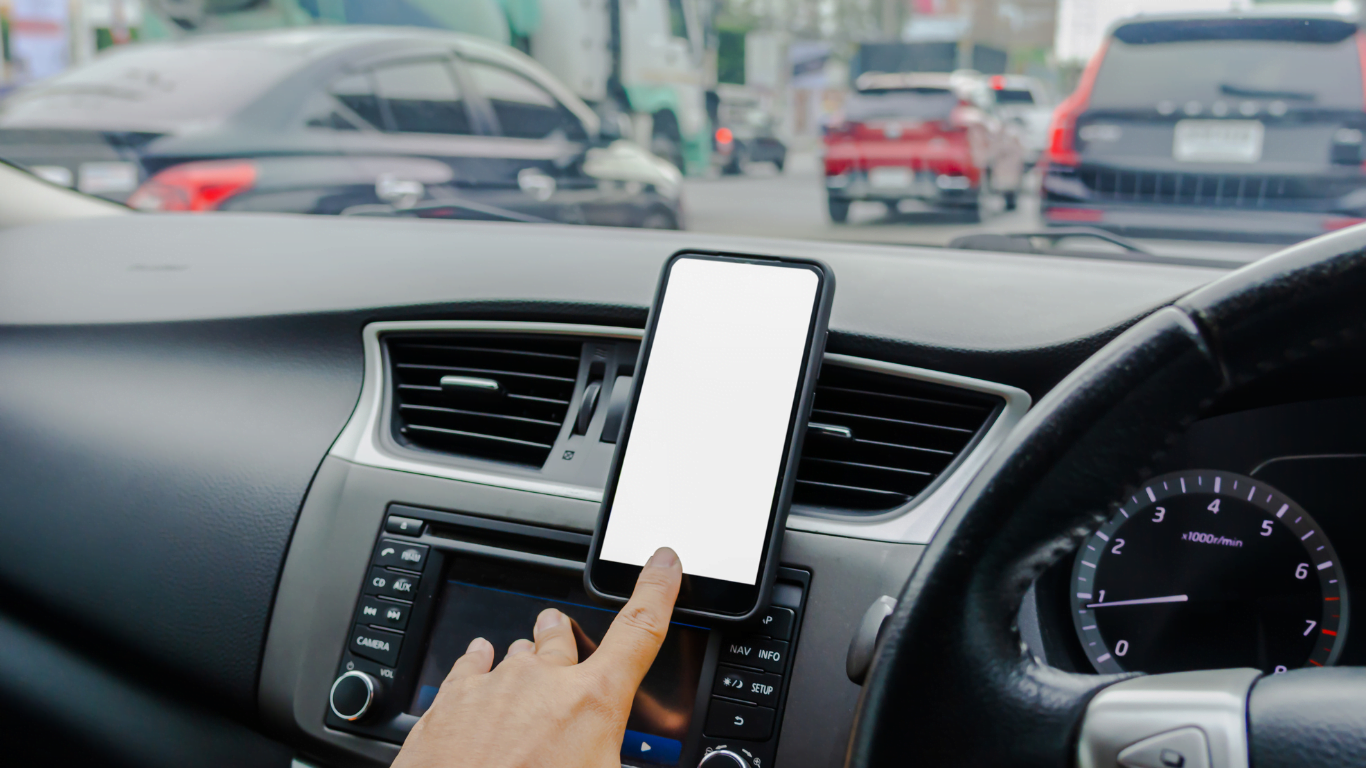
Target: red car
922,136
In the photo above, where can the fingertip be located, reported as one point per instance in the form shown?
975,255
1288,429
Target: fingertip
548,619
664,557
477,660
520,646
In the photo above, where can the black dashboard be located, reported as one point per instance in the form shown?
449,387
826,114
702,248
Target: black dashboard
207,473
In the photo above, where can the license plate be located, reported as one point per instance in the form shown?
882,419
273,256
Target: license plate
99,178
890,177
1218,141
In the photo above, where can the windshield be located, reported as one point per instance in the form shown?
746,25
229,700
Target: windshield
1303,74
1210,138
928,103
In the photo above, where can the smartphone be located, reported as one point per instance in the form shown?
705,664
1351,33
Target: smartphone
711,438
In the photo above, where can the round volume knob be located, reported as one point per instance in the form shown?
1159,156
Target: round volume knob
723,758
352,694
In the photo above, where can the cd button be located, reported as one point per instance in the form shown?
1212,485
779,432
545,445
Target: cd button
376,644
390,584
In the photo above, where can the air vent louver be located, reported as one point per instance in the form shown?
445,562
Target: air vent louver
876,440
516,421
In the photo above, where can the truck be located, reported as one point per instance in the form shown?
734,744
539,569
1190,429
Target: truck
639,63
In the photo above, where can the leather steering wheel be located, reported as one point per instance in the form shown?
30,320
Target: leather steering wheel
952,683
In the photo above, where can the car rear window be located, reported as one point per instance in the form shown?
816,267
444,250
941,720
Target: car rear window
921,103
1232,62
1014,96
151,88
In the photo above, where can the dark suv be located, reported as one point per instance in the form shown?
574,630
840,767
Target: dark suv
1228,126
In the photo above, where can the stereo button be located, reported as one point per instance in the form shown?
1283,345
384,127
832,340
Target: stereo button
403,525
376,644
768,655
729,720
382,613
390,584
758,687
775,622
397,554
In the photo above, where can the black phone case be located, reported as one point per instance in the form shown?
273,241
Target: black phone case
815,353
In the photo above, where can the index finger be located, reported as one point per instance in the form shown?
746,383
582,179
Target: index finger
630,645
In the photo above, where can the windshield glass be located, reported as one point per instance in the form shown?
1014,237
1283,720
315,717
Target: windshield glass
1209,70
1147,130
930,103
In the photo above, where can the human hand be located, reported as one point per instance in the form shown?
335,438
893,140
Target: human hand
540,707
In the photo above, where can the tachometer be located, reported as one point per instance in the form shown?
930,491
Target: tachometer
1204,570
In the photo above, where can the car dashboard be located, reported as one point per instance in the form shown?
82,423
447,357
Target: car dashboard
256,527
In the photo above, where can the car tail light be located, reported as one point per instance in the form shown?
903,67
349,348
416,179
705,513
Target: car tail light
1085,215
1334,223
998,82
1062,132
724,136
197,186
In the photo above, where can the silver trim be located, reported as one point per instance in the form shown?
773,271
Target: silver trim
724,754
913,523
370,685
471,382
1211,704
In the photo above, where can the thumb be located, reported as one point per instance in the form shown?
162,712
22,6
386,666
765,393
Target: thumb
630,645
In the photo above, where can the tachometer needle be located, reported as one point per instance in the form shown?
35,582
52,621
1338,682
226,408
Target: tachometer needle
1142,601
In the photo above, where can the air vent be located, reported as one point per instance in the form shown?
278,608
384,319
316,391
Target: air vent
876,440
500,397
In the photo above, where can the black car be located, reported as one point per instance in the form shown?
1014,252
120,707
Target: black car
331,121
745,134
1246,126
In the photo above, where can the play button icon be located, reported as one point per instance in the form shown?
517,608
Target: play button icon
647,747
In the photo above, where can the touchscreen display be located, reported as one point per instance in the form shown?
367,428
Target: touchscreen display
706,445
500,603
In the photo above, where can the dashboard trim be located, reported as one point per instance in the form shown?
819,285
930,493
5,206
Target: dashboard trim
912,523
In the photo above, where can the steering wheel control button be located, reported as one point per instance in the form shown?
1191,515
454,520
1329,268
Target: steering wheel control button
383,613
397,554
353,694
768,655
755,687
376,644
775,622
406,526
390,584
1181,748
732,720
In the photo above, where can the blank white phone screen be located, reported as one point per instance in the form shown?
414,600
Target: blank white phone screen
706,443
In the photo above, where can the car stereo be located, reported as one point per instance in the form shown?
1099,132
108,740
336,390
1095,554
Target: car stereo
439,579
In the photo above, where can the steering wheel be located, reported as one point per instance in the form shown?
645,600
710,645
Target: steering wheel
952,683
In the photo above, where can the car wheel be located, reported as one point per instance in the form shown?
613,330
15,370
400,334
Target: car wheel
1012,200
778,164
839,209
